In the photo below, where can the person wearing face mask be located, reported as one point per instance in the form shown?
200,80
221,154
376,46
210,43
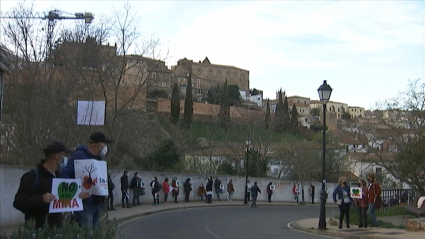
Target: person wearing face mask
96,149
34,193
341,196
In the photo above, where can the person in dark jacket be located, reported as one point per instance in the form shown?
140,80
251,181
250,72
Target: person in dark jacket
176,189
201,192
254,193
209,187
269,192
124,190
34,193
341,195
156,187
96,149
217,184
187,188
230,190
134,186
111,187
312,191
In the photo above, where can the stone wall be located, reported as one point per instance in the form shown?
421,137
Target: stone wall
10,178
416,224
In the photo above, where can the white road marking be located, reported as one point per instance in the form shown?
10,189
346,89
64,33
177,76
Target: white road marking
289,226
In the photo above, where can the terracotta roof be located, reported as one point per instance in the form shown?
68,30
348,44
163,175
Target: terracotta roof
296,96
222,66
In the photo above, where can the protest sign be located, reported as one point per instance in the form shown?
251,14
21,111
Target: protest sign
356,192
94,176
66,193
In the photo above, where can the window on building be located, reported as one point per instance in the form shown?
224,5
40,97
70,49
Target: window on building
198,80
198,86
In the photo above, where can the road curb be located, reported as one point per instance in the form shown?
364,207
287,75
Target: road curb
332,233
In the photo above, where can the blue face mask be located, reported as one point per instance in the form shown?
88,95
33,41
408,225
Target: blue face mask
63,163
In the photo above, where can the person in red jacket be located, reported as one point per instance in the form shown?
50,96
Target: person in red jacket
166,189
374,191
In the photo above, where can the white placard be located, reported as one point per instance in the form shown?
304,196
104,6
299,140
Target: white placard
66,193
221,186
272,187
90,112
93,174
356,192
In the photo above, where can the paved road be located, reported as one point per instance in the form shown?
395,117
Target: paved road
266,222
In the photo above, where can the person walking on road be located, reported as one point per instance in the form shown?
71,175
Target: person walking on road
209,189
202,192
34,194
374,191
343,200
269,191
124,190
217,188
176,189
166,189
311,191
255,190
230,190
187,188
111,187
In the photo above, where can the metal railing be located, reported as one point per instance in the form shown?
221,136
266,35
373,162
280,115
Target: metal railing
392,197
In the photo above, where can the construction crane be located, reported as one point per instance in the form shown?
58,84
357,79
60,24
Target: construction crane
51,16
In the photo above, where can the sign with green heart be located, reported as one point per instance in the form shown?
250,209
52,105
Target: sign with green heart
66,193
356,192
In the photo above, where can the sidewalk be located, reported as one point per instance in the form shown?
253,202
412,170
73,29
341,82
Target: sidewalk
310,225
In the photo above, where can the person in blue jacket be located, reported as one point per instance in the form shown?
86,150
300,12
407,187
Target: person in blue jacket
341,195
96,149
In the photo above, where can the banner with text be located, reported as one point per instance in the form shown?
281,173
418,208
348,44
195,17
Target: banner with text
66,193
93,174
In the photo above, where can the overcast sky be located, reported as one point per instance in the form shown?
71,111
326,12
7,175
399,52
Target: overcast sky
367,50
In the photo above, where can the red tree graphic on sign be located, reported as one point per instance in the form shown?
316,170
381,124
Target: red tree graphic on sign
88,182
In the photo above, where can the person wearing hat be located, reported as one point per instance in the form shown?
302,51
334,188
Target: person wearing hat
34,193
93,204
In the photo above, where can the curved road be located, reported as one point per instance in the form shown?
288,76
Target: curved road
264,222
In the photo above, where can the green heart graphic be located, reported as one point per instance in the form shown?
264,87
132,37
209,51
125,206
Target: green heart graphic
67,190
356,191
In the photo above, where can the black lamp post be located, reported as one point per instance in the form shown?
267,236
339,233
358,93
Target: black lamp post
325,92
248,144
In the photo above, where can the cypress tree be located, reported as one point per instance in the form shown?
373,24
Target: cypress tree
294,119
268,117
175,104
278,115
286,119
188,103
225,108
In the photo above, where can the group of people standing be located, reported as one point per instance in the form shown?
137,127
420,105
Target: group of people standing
370,199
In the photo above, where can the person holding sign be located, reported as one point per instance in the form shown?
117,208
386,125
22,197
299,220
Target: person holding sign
93,204
35,191
269,191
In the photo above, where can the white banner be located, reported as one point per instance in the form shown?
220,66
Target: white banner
356,192
93,174
66,193
90,112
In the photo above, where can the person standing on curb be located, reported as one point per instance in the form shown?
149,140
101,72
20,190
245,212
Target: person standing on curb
230,190
269,191
176,189
166,189
111,187
156,187
296,191
344,200
311,191
248,191
34,193
254,193
134,186
374,191
187,188
124,190
209,189
363,204
217,184
202,192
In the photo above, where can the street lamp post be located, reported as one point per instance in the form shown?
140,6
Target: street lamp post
325,92
248,144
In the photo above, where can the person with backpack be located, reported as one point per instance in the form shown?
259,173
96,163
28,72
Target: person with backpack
34,192
134,185
156,187
96,149
111,187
